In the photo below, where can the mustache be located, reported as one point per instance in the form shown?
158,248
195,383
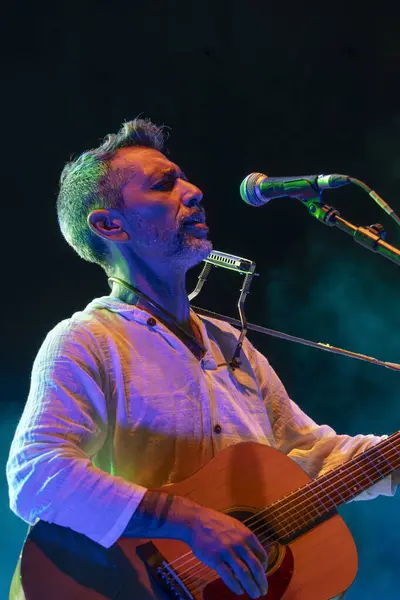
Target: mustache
199,213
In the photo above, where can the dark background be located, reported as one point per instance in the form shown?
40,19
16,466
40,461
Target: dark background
280,88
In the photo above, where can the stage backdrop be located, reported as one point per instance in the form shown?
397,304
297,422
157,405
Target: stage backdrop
282,89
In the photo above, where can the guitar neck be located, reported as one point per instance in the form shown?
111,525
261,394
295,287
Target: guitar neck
304,508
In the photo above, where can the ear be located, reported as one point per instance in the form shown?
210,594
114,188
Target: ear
108,226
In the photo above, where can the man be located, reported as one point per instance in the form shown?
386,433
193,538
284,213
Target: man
130,394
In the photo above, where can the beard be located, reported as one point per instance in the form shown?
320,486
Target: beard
177,246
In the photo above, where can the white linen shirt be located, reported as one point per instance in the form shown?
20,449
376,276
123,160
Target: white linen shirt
117,406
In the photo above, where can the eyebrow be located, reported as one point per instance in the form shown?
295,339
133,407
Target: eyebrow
167,171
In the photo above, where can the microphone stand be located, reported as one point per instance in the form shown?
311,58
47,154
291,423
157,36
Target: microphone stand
371,237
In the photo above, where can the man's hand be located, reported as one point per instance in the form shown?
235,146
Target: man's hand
226,545
219,541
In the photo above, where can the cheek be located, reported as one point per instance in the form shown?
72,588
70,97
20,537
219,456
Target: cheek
161,213
157,218
158,209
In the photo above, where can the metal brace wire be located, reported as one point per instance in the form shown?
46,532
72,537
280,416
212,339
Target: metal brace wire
240,265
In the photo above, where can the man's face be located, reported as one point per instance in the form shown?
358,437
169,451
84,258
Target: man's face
159,203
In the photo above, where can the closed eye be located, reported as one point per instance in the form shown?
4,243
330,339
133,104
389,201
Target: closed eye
168,182
165,184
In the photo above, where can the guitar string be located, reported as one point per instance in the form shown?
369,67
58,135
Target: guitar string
335,475
193,585
317,483
261,541
266,510
199,562
213,576
195,582
212,572
357,458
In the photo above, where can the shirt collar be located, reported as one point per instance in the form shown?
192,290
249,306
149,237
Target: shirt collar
140,315
208,361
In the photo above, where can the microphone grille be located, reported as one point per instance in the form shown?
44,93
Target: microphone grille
248,189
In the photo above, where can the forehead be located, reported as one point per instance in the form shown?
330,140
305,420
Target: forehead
144,162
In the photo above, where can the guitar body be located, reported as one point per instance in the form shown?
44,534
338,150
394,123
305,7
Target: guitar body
57,563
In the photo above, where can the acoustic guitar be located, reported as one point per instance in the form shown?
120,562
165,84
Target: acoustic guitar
312,555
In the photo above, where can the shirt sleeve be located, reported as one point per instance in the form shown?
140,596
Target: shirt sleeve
50,471
315,448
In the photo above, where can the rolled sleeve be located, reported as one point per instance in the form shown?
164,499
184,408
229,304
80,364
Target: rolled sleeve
315,448
50,471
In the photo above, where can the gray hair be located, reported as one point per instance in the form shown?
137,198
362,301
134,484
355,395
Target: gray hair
88,183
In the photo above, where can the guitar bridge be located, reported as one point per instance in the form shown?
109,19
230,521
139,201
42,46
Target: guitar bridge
160,571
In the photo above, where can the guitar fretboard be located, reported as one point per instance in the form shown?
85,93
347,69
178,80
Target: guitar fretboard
303,508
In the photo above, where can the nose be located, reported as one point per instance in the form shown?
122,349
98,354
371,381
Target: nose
192,195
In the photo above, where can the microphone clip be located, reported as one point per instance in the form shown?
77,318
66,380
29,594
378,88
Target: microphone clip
323,212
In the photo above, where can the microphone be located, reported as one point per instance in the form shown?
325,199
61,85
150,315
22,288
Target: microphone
257,189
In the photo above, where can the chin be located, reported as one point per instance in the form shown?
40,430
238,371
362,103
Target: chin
194,251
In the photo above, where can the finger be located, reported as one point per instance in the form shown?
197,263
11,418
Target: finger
258,549
257,570
243,574
229,579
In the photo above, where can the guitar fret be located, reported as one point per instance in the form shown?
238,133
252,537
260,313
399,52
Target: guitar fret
320,514
393,447
352,490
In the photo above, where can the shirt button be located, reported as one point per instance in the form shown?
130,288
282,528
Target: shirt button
217,428
151,322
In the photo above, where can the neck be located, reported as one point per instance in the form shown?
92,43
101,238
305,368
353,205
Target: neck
169,291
